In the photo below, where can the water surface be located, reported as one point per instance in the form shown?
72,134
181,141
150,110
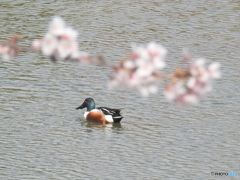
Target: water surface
44,137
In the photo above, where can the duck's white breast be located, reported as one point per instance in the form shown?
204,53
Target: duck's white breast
85,115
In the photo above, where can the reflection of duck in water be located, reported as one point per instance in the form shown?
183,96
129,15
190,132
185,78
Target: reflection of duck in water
94,124
100,114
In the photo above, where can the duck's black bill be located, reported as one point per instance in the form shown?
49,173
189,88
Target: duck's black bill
78,108
82,106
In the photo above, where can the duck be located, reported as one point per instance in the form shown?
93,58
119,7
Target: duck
100,114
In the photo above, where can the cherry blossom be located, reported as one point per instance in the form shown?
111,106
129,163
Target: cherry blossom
140,70
9,48
60,42
189,86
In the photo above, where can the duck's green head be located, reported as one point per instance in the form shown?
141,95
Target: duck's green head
88,103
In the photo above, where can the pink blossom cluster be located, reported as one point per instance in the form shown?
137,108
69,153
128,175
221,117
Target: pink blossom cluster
190,86
9,48
60,42
140,71
7,52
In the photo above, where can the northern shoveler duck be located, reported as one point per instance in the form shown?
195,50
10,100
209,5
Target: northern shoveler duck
100,114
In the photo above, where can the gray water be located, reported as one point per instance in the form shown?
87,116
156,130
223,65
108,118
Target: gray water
44,137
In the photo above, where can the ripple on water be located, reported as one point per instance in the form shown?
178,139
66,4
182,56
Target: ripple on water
44,137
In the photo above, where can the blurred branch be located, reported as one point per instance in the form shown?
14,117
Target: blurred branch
141,70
